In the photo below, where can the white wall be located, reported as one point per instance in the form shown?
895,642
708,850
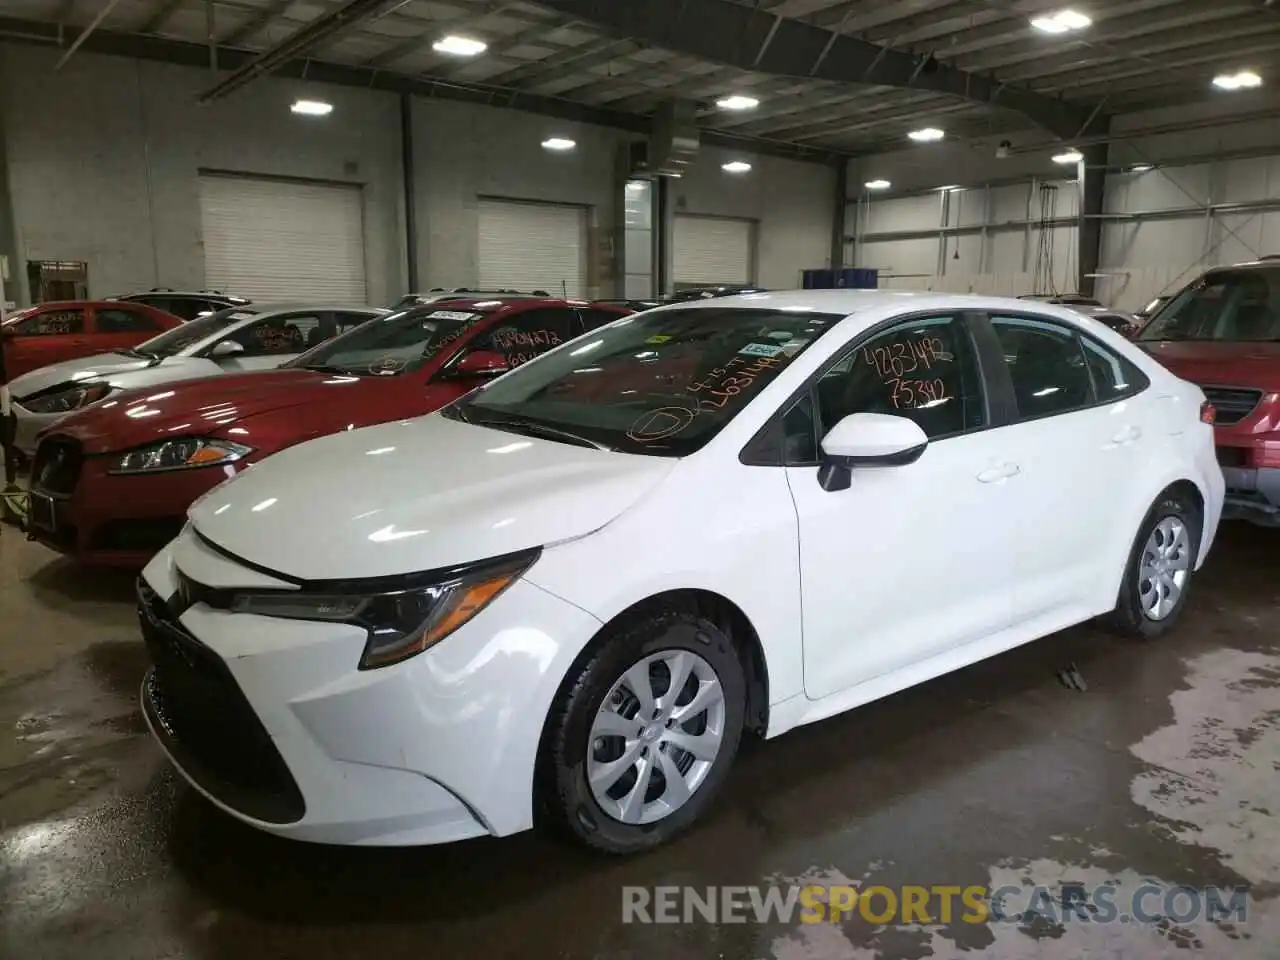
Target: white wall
103,158
793,204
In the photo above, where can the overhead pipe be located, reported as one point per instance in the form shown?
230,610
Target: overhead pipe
293,46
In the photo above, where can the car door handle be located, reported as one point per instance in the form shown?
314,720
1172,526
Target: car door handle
1127,435
1002,472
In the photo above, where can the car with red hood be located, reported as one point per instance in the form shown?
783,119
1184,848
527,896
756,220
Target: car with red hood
111,484
1222,332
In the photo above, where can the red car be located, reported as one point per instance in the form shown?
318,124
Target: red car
1223,333
69,329
112,483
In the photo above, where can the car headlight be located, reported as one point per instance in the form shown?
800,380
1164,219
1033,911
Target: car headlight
180,455
64,401
401,621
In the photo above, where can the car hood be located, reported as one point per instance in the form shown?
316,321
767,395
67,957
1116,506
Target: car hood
141,416
85,368
1223,364
416,495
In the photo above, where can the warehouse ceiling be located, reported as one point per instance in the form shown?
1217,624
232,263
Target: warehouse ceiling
831,76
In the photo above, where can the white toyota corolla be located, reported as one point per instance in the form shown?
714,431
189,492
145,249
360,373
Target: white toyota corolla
563,598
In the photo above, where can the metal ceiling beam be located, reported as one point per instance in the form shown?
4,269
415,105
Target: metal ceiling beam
255,23
731,33
163,50
296,44
160,16
85,34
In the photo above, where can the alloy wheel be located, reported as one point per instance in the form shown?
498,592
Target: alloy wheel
1164,569
656,736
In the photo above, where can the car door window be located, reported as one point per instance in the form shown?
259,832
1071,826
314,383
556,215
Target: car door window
52,323
276,336
1114,377
591,319
1046,362
347,320
529,334
117,320
923,369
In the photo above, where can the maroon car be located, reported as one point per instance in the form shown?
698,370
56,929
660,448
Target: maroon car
1223,333
112,483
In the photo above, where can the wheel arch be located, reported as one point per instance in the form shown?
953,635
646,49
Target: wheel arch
1186,489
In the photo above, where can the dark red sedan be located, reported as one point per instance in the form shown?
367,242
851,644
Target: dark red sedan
111,484
69,329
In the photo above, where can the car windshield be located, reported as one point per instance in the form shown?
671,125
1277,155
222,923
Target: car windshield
175,341
1227,305
661,383
394,344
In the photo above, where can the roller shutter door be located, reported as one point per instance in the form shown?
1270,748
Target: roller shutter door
711,250
532,246
280,240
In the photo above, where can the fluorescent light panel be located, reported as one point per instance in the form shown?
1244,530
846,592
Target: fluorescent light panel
877,184
1069,156
558,143
312,108
459,46
1240,80
1064,21
735,166
927,135
737,102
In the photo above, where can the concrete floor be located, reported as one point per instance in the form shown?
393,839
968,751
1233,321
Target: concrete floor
1165,769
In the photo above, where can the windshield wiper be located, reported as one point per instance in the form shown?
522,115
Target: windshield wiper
532,428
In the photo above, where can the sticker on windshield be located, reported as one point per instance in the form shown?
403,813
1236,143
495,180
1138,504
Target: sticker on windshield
660,338
386,367
780,335
449,315
792,347
761,350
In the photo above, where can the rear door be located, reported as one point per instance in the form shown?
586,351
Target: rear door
119,327
1079,445
50,335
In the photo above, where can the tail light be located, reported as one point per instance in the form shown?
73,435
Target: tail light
1208,413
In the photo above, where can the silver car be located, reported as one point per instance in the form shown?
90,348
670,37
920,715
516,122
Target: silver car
254,336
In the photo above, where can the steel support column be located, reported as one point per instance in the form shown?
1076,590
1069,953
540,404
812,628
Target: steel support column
839,222
1093,183
410,201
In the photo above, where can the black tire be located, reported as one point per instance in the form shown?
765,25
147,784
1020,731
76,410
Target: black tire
1128,618
565,798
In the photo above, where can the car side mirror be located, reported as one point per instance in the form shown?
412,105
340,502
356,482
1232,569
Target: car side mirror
11,330
481,363
868,440
227,348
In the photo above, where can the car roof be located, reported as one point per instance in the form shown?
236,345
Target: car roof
72,304
264,309
847,302
202,294
483,304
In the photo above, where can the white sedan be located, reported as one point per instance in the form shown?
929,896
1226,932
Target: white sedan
563,598
251,336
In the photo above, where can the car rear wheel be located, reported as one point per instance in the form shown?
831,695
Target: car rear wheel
644,733
1160,569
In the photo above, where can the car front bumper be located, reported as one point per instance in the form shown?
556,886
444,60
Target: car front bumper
437,748
1253,494
107,519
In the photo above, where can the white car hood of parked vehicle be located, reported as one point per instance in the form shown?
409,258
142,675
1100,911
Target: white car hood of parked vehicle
123,373
417,495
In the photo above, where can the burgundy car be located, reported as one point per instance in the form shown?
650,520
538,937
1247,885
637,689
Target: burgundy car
112,483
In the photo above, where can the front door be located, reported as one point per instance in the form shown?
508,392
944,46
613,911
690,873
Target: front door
116,328
913,560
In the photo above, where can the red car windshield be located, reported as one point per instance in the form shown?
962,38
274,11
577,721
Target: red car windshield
1226,305
394,344
662,383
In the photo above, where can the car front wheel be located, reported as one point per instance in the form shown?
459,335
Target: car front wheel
644,733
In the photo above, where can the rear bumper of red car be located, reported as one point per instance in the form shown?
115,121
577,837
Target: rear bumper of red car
104,519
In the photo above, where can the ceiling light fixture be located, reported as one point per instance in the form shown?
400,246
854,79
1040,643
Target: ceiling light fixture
1064,21
737,102
1141,167
1069,156
927,135
558,143
1240,80
877,184
735,166
949,188
459,46
312,108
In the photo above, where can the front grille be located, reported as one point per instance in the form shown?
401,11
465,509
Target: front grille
1233,456
56,467
204,719
1232,404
